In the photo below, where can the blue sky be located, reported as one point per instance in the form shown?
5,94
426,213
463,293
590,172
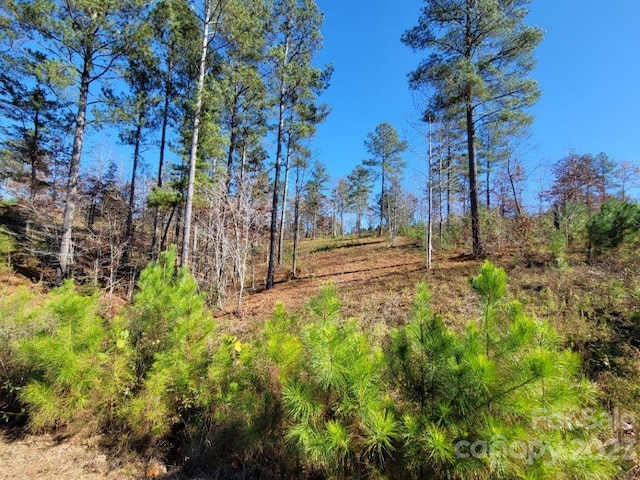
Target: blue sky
588,70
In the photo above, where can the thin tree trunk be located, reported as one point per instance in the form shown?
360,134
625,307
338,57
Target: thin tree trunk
488,180
273,229
296,234
64,257
449,189
194,138
163,143
440,196
429,206
313,227
128,230
242,238
34,152
334,219
242,165
381,201
513,188
232,142
163,240
284,204
473,181
473,184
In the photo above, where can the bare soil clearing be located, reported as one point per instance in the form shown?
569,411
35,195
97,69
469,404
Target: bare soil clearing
375,282
46,457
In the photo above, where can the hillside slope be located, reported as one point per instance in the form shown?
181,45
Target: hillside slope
377,285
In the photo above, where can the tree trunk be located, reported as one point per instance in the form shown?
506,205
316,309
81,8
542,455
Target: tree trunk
334,219
128,230
488,180
440,197
64,257
163,143
232,142
473,168
284,205
449,189
429,205
273,229
381,200
313,226
165,234
194,138
473,184
513,188
296,233
35,141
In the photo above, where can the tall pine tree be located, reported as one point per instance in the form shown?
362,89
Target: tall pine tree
481,54
82,41
296,40
385,146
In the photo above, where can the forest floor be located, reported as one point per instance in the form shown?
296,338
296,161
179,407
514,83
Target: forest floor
26,456
376,284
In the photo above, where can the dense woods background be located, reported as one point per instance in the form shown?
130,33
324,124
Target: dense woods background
217,102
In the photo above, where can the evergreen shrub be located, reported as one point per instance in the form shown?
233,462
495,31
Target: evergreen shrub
502,400
315,394
66,361
338,417
616,222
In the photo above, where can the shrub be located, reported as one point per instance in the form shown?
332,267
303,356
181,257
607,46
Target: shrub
167,297
608,229
66,361
339,419
196,388
503,400
416,233
171,335
20,318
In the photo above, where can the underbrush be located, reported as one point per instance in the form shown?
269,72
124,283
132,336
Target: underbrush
314,394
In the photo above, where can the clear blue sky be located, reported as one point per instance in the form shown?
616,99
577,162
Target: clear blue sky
588,70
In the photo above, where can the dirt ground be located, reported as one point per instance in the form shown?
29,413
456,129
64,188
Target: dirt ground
375,282
29,457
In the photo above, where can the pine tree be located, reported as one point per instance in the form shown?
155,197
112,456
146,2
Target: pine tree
502,400
340,199
297,39
34,131
82,42
174,28
300,164
136,116
212,11
386,148
359,190
67,362
481,52
314,195
330,373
